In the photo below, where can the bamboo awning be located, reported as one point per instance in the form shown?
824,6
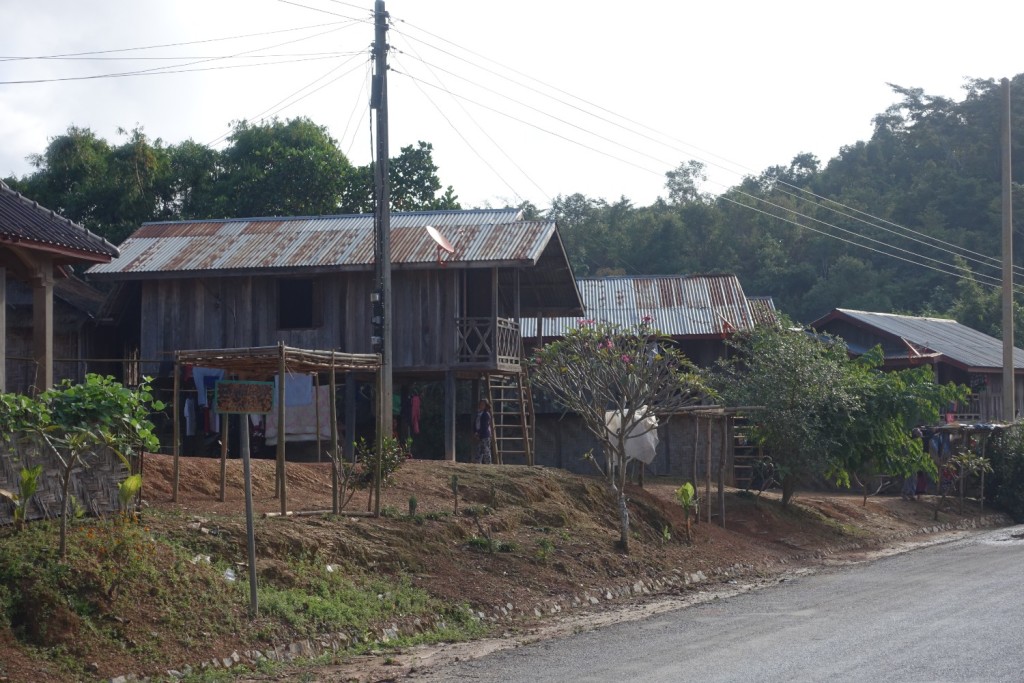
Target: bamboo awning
264,362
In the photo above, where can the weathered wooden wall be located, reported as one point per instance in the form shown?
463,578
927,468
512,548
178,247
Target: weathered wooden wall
70,341
563,440
229,312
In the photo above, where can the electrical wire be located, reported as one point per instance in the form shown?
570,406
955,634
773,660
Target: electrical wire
179,68
479,155
961,250
981,277
983,259
534,125
362,109
158,47
277,108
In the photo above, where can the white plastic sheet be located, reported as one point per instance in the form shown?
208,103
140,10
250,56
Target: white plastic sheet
642,441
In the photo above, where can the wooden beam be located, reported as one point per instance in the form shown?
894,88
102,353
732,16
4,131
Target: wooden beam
281,380
42,326
3,330
176,433
449,416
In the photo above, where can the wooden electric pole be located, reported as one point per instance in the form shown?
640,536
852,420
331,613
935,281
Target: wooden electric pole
382,233
1009,405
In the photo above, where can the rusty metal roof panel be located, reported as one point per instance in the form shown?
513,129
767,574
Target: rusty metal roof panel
328,241
25,221
678,305
763,310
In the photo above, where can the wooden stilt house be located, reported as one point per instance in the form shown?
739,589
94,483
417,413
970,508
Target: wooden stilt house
307,282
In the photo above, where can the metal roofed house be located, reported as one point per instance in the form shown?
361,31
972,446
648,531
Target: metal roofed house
698,311
957,353
36,246
307,281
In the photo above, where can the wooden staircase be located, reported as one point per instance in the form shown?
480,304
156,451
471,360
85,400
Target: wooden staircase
512,416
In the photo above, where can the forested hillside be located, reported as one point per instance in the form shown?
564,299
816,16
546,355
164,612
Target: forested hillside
890,224
906,221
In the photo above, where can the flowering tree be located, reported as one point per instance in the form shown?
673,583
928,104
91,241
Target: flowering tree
601,369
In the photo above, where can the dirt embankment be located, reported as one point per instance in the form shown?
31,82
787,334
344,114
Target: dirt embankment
528,548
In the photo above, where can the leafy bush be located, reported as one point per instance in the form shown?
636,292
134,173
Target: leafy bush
1005,487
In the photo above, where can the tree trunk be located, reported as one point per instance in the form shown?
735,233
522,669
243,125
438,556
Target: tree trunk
623,522
62,551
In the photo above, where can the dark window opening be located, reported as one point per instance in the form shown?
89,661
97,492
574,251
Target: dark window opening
296,304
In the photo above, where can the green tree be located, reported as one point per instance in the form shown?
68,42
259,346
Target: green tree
414,184
635,374
291,168
798,383
876,439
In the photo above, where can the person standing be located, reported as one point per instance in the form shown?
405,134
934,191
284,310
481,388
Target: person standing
482,429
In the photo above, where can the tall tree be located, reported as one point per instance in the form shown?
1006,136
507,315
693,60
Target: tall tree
803,397
291,168
620,381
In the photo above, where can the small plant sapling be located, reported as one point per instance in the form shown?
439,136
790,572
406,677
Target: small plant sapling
687,497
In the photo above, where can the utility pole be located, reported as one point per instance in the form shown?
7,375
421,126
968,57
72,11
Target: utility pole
1009,405
381,296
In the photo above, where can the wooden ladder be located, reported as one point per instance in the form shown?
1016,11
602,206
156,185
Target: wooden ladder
744,454
512,416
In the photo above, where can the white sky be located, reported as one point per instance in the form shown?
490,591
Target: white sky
740,84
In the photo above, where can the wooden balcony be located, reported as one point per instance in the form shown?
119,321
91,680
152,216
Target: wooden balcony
488,344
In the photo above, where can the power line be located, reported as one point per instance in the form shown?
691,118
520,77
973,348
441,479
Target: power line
276,108
179,57
179,44
992,261
937,241
333,14
159,70
222,67
494,142
534,125
862,246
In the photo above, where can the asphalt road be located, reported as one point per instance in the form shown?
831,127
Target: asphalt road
953,612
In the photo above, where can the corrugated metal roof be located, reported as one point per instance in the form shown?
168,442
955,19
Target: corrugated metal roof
23,220
763,310
680,305
491,236
957,342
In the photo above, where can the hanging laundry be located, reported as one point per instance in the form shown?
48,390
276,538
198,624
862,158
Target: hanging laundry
190,417
298,389
206,381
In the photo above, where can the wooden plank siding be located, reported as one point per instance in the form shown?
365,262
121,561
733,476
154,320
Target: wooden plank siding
242,311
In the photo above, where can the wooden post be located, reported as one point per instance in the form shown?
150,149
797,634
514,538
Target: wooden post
225,420
721,471
707,473
334,438
316,411
3,330
176,431
696,448
250,531
42,326
449,415
281,381
350,417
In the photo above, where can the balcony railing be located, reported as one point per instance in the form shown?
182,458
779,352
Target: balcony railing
489,342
